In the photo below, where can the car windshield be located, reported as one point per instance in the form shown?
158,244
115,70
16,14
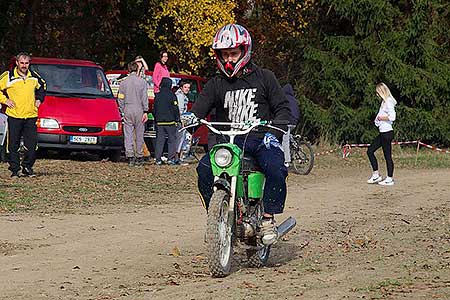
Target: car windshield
77,81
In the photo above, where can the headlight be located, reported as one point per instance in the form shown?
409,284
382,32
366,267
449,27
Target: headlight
112,126
48,123
223,157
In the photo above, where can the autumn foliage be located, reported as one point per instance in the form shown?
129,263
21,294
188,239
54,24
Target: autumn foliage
333,51
186,28
275,27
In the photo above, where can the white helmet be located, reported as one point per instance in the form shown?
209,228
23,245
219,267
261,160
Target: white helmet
229,37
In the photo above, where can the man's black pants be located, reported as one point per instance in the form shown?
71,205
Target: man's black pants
18,128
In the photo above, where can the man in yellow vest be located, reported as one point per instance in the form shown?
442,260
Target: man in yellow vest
22,91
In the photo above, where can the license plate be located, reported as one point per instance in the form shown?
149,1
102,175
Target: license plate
83,139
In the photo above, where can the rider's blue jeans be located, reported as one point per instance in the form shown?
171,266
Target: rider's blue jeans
271,162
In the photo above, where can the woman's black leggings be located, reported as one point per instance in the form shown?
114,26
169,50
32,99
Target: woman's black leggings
384,140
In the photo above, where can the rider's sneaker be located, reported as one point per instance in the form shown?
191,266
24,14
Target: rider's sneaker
374,179
387,181
268,231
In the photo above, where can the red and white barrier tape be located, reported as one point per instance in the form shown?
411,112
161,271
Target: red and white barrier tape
405,143
434,148
346,148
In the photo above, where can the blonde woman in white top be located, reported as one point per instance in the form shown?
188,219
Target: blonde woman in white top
384,120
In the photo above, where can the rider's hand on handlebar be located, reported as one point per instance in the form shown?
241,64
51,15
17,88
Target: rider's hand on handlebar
188,118
270,140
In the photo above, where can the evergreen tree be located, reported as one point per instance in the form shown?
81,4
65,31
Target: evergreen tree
354,44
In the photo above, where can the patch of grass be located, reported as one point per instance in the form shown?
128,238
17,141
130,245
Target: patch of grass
103,181
385,284
77,185
426,160
309,266
19,199
403,156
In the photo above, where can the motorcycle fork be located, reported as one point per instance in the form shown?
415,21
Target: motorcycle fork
231,199
242,202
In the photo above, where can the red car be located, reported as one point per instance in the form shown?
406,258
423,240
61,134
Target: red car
201,134
80,112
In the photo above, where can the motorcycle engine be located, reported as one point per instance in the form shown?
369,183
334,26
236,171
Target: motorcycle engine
249,230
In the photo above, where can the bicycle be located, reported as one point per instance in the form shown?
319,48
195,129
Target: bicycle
302,155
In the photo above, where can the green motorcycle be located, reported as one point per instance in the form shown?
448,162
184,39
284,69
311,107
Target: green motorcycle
236,208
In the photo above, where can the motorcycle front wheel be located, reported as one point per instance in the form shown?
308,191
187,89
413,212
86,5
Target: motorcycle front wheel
219,235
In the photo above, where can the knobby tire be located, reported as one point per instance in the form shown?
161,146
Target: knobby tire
219,243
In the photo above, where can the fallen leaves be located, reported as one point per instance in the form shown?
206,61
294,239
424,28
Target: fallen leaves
175,252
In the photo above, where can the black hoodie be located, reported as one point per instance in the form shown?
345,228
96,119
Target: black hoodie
293,104
254,96
165,108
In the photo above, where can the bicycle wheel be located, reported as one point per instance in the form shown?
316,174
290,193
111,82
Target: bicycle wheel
302,157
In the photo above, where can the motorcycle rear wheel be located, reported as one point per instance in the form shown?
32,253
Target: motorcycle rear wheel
219,235
257,258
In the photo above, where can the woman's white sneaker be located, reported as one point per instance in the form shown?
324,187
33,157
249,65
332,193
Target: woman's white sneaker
374,179
387,181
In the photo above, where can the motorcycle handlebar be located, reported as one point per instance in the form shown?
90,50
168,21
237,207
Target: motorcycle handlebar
249,126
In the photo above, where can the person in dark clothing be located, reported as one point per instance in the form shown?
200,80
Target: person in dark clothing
293,121
244,92
167,115
293,104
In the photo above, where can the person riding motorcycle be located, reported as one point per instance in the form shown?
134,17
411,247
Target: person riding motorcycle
244,92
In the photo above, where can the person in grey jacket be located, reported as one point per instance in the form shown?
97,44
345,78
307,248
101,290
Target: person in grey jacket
133,104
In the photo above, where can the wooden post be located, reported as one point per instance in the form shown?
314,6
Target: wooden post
417,152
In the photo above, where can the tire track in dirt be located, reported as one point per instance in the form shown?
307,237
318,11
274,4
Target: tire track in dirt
352,240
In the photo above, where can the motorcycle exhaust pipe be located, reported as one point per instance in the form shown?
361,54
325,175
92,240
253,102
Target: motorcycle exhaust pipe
286,226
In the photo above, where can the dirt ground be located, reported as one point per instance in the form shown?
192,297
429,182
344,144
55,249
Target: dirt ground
88,229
